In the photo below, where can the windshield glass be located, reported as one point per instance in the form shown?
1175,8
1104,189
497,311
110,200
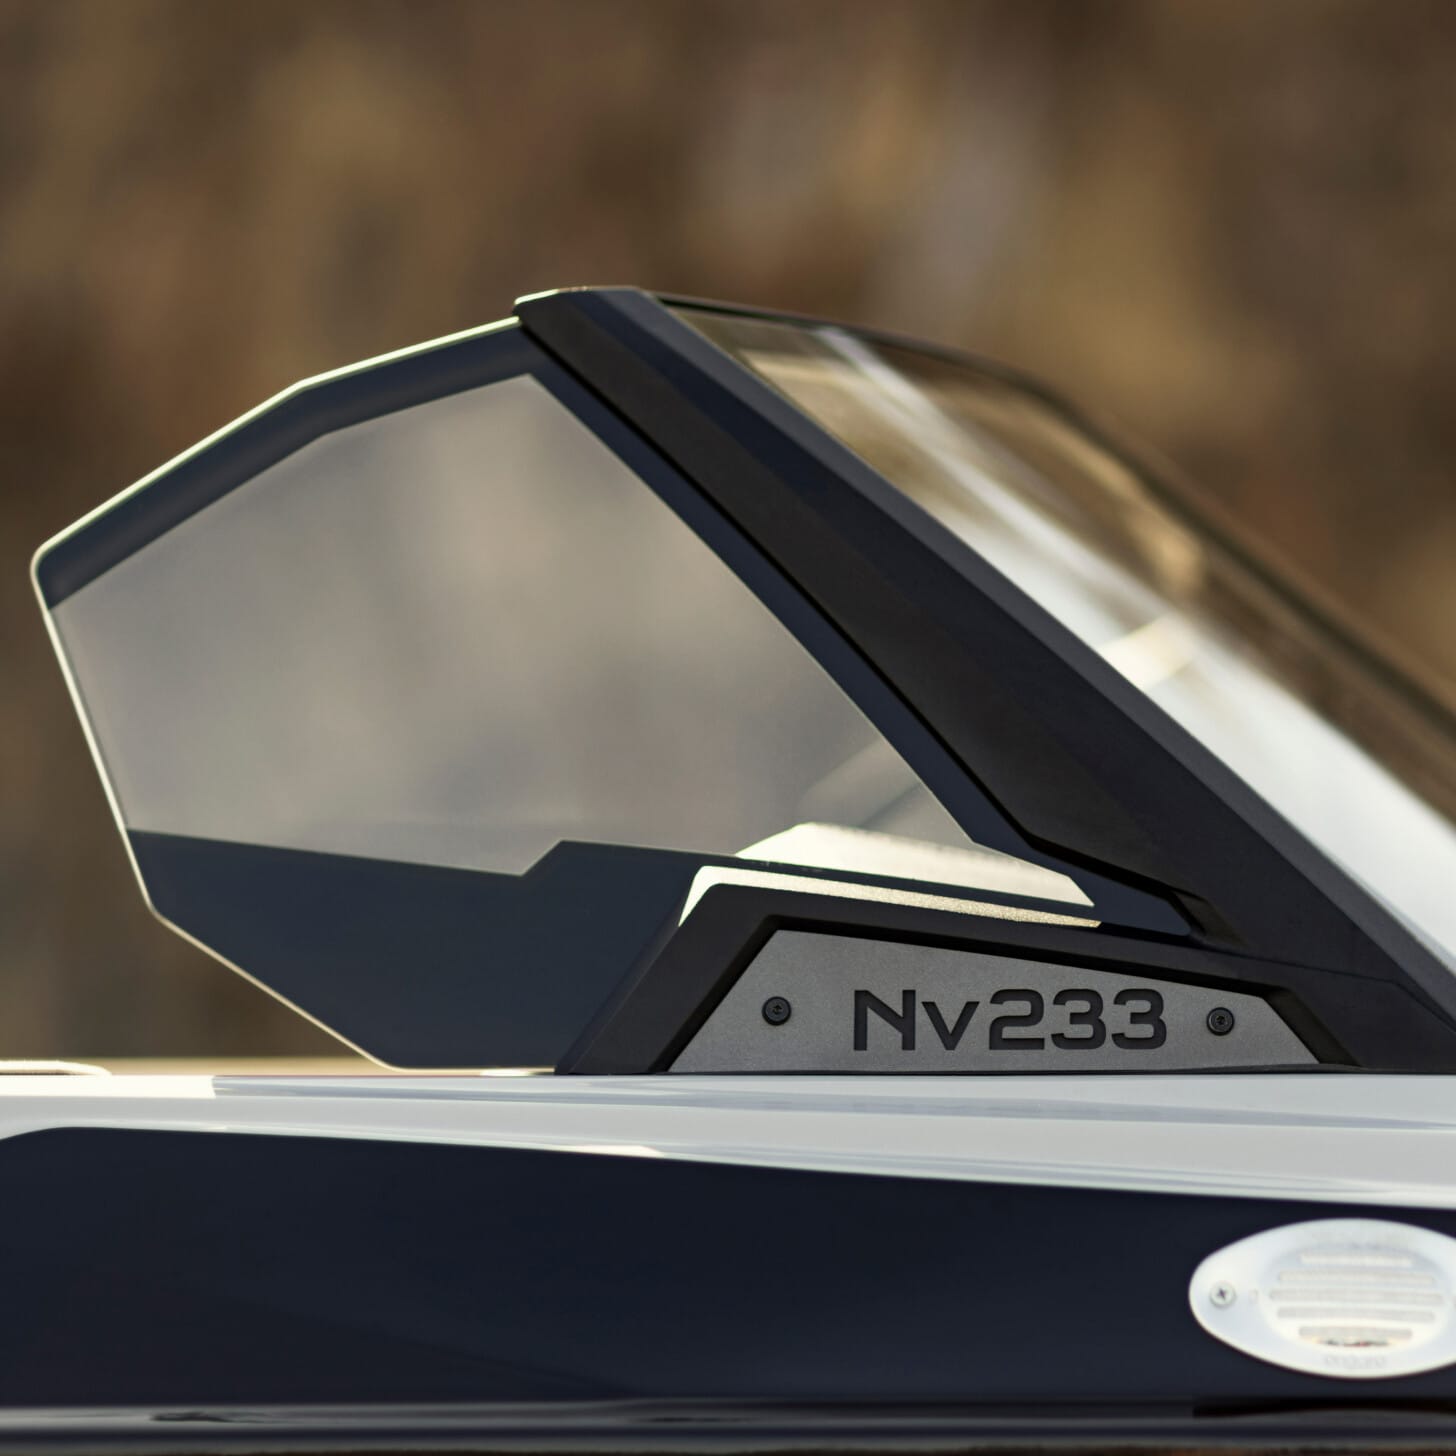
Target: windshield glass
441,719
462,633
1359,762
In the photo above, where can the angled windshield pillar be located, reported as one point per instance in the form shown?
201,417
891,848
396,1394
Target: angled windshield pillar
1085,767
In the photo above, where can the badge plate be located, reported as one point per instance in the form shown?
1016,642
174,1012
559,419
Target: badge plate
815,1002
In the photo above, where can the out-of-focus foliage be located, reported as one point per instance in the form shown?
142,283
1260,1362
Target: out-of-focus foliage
1230,222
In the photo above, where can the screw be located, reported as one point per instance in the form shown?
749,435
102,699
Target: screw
1220,1021
1222,1294
776,1010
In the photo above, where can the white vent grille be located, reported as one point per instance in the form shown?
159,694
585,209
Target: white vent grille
1352,1298
1358,1299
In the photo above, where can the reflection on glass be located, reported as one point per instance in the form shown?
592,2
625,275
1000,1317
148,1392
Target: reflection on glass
1367,771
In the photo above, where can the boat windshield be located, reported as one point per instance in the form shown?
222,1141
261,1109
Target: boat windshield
1335,739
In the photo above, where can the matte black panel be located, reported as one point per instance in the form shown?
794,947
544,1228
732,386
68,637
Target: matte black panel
419,965
196,1269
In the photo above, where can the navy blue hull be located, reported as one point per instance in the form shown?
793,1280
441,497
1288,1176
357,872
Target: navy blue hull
200,1270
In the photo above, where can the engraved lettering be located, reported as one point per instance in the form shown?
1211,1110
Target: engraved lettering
903,1020
1005,1041
950,1036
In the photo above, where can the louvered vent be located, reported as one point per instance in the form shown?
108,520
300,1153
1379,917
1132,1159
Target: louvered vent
1357,1298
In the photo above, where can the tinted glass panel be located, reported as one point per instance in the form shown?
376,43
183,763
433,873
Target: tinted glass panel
1365,769
462,633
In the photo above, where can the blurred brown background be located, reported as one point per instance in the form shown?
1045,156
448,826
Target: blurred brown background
1231,224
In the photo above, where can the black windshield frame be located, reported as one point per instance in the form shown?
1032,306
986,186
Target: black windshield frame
1086,769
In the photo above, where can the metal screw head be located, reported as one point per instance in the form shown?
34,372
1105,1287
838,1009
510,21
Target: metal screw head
1220,1021
776,1010
1222,1294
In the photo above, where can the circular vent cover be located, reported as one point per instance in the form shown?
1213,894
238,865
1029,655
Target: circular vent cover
1353,1298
